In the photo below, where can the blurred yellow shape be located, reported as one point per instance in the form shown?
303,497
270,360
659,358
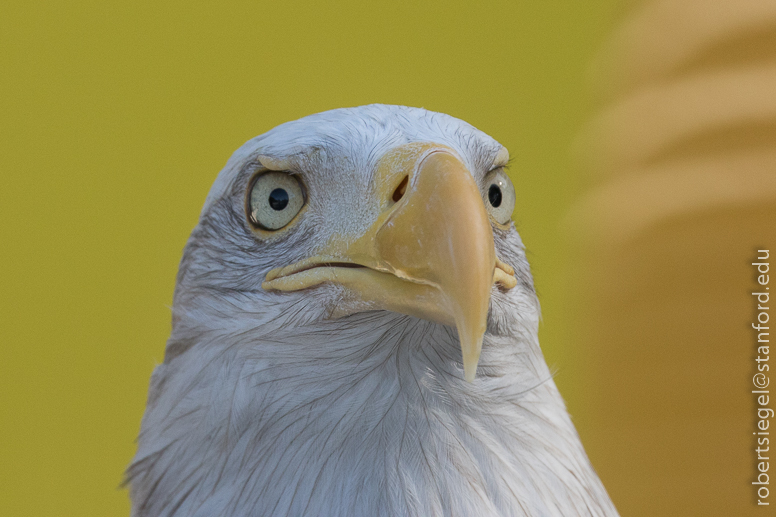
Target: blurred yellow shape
680,165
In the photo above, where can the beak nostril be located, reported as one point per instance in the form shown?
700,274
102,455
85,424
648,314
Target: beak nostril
399,192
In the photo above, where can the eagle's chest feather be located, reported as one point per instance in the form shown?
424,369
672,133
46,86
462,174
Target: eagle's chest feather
346,429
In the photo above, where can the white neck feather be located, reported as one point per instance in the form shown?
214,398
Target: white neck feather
370,416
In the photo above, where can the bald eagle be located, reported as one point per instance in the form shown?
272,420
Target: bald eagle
355,334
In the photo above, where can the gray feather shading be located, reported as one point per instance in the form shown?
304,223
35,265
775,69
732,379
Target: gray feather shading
264,406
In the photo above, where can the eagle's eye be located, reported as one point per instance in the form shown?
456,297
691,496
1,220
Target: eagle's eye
499,196
274,200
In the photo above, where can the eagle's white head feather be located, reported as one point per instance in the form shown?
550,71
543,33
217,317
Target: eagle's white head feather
291,399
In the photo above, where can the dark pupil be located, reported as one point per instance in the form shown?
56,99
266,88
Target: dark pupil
278,199
494,196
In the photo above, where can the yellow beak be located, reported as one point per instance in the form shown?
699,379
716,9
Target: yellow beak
430,254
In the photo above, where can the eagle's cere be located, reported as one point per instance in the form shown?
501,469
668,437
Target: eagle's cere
355,333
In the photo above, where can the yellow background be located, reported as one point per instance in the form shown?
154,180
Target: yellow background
114,121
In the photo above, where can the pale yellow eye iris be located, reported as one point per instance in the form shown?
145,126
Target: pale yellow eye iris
499,196
275,199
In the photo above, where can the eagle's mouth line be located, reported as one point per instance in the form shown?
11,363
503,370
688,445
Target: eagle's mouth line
308,264
503,274
326,264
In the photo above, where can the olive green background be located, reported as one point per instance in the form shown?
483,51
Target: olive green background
115,120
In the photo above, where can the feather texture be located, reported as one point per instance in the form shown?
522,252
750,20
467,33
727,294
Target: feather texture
266,406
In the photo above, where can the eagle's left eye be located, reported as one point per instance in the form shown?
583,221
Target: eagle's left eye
499,195
275,199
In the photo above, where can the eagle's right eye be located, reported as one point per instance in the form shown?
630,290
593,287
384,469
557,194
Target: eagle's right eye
274,200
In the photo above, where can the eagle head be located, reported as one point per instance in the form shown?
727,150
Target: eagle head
377,208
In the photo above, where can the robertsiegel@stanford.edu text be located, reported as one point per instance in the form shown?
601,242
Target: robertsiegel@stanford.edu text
761,379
